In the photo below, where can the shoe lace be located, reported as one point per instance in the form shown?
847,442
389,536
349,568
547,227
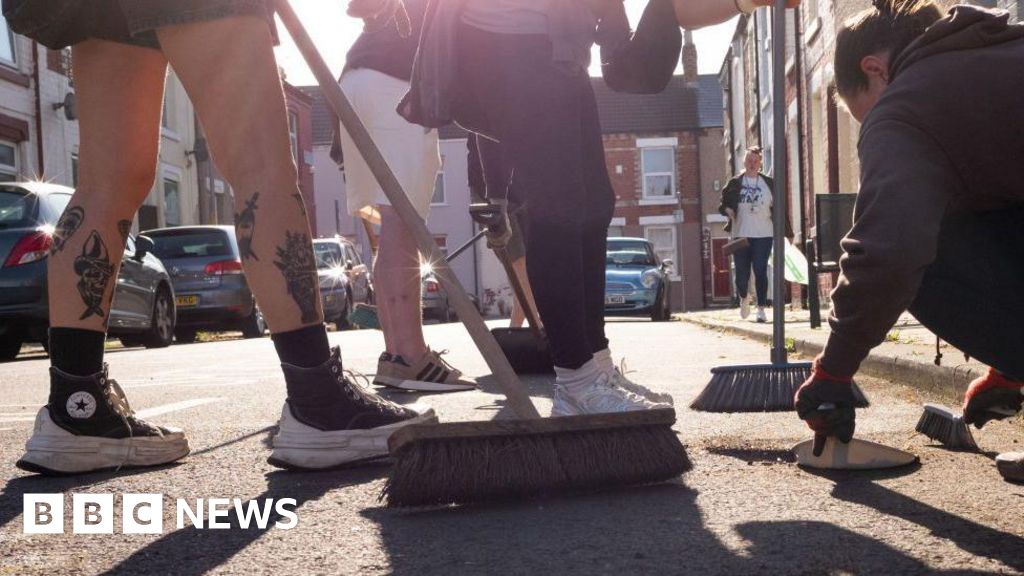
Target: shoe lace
118,402
357,387
439,357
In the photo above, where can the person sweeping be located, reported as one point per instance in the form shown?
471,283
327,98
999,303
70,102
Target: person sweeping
222,50
938,224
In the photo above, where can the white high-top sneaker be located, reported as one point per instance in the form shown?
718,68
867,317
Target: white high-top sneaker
598,396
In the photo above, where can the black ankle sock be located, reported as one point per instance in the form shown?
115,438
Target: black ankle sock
306,347
77,352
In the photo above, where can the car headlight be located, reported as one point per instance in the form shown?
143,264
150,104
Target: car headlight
649,279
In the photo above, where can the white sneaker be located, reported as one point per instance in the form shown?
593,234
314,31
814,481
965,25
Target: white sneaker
619,379
598,397
745,307
303,447
761,317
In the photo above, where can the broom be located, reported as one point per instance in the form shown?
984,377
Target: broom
767,387
466,462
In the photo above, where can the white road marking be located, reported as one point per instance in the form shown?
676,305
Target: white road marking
146,413
179,385
175,407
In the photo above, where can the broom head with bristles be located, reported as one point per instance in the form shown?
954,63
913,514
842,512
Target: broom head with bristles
949,429
758,388
467,462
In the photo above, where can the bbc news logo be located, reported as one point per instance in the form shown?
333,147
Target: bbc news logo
144,513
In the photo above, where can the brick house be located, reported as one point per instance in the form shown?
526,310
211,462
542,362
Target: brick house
664,158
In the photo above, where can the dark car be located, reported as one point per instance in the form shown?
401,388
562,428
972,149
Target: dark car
344,279
143,310
637,283
206,269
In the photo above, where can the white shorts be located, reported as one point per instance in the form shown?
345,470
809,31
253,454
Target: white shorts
411,150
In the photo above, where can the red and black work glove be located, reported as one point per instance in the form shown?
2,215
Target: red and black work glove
826,403
992,397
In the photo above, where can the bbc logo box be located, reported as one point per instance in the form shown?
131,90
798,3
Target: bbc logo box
94,513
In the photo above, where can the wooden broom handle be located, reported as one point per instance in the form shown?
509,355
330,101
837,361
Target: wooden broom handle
514,390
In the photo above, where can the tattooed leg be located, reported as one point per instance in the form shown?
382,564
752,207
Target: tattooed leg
245,228
94,271
69,223
295,261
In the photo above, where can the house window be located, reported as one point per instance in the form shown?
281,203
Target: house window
167,119
615,231
659,168
172,202
7,53
664,240
438,197
293,135
8,162
442,244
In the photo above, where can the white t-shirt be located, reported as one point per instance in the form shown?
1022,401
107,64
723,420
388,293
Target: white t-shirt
754,213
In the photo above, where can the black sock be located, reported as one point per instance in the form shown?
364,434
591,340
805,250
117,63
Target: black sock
77,352
306,347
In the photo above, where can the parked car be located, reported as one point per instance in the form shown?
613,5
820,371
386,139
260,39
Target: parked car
637,283
206,270
344,279
143,310
436,305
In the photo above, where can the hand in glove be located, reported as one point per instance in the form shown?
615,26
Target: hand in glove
826,403
992,397
379,13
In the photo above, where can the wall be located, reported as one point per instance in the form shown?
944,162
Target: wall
176,164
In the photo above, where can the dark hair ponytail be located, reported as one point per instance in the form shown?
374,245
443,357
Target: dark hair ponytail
888,26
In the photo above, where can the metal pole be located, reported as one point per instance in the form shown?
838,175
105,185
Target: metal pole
813,299
779,167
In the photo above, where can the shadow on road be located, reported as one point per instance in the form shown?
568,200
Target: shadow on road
648,530
191,551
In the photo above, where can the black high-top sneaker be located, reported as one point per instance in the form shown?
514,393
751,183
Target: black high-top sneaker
341,423
88,425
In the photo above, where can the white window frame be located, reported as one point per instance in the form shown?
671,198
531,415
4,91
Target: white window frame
652,144
169,115
174,175
12,40
293,135
676,264
15,170
444,185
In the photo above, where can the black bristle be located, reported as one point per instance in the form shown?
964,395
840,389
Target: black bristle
760,388
468,470
942,425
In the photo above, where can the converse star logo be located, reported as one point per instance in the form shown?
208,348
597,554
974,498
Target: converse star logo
81,405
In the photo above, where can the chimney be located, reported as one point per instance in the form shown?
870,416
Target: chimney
689,59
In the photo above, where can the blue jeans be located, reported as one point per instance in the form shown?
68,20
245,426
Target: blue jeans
754,256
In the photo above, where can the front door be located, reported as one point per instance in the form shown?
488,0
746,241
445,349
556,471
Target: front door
721,272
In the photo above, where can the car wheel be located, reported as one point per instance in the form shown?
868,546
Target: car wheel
254,326
658,310
342,322
9,347
185,335
161,331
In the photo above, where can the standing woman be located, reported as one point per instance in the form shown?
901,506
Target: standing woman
747,200
222,50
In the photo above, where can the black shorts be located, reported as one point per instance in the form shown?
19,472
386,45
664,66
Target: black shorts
58,24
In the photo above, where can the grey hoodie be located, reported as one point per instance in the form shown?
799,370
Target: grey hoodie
945,136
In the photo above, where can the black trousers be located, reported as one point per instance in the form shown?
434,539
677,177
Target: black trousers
545,118
972,296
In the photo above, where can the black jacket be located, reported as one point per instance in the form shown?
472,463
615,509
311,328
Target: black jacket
731,199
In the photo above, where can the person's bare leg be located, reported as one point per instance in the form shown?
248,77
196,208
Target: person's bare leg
87,424
396,279
228,69
119,140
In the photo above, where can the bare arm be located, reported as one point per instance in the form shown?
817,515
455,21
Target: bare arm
693,14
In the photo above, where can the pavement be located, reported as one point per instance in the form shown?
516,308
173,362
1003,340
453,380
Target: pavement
908,355
746,508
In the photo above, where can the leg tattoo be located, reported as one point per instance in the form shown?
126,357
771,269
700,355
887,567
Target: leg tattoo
67,225
124,227
245,224
295,261
94,270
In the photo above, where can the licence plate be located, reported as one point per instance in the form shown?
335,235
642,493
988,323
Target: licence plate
329,298
615,300
186,301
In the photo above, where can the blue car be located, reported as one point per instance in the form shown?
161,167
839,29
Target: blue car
637,283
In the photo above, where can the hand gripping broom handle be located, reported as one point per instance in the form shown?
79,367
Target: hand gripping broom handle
518,399
780,195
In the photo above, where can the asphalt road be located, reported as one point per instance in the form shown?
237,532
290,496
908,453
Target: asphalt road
744,509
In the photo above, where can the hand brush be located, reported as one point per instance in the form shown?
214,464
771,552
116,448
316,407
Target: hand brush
949,429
